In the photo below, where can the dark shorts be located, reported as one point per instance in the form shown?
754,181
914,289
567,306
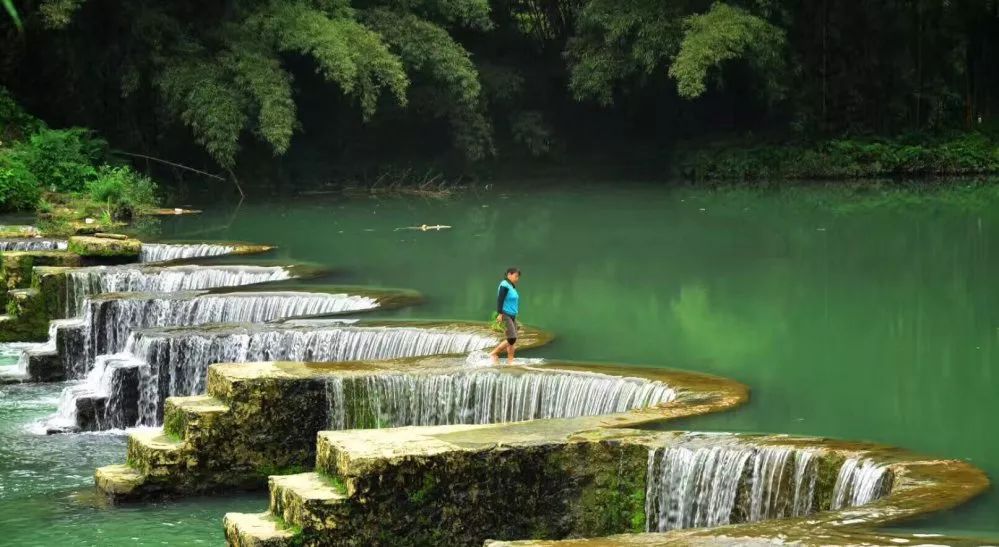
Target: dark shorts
510,325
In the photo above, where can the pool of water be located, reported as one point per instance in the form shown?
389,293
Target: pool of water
857,317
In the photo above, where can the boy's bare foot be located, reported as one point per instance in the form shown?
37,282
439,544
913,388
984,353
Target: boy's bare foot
494,358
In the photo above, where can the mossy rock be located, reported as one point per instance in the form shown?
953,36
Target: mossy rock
91,246
51,283
19,231
82,228
16,267
26,319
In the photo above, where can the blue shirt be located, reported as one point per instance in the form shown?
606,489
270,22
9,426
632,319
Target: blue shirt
509,298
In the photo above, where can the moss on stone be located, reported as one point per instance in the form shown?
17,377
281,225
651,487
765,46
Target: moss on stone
51,283
26,319
16,266
18,231
91,246
828,471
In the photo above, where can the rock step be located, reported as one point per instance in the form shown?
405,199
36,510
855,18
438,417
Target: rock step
118,481
307,500
45,366
155,454
27,321
24,294
356,453
256,530
184,417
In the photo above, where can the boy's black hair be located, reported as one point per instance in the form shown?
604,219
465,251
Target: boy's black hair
512,270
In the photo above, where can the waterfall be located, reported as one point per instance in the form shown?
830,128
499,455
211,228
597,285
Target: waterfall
107,389
483,396
83,283
49,346
770,479
109,321
175,361
727,483
860,481
160,252
806,473
32,244
687,488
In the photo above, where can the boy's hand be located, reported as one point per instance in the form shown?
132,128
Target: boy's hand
499,317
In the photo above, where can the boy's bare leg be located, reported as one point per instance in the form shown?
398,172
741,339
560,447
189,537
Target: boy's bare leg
504,345
510,349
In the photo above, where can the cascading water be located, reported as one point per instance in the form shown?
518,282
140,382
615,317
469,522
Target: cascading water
32,244
860,481
109,321
687,488
483,396
728,482
49,346
175,361
84,283
805,475
110,391
161,252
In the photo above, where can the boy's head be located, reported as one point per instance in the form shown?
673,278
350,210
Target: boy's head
513,274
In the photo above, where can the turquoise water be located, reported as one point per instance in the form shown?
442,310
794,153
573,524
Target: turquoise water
858,318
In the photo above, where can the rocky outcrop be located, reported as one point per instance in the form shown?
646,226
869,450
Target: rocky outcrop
106,248
256,420
462,485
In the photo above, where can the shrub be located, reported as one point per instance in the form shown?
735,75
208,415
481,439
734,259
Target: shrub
19,188
123,190
15,123
62,159
912,155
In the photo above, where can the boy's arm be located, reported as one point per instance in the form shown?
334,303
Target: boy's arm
500,298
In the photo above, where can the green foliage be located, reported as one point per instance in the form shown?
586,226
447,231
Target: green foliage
530,130
8,6
426,490
427,49
420,70
58,14
200,93
260,74
465,13
346,52
967,153
19,188
61,159
125,192
722,34
617,39
15,123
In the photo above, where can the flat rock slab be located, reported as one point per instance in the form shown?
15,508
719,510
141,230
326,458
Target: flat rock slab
255,530
93,246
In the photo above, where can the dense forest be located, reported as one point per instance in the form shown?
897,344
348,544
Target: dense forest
312,89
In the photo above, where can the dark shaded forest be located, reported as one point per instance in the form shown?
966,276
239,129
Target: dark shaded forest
313,90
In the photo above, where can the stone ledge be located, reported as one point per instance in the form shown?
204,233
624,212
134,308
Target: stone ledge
382,467
262,418
306,500
103,247
256,530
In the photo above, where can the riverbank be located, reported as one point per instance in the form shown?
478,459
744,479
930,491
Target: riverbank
748,159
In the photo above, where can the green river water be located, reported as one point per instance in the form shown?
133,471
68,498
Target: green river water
862,318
